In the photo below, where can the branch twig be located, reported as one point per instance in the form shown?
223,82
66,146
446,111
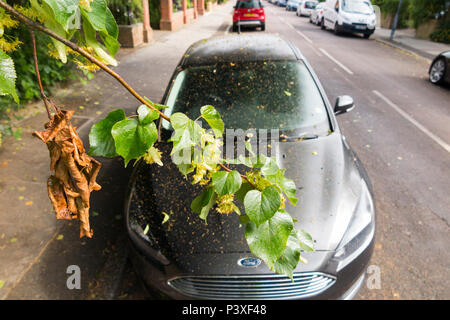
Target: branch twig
44,97
37,26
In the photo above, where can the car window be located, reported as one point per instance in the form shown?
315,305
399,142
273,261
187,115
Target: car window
310,4
252,95
357,6
251,4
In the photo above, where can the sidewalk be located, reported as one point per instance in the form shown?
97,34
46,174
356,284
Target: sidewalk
404,39
35,248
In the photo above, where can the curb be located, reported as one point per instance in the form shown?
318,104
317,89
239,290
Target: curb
419,54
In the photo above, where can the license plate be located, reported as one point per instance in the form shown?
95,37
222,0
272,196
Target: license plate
249,14
360,27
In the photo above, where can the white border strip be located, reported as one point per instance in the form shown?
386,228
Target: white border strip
337,62
436,139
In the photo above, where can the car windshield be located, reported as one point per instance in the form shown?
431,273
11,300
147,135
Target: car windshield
310,4
357,6
253,95
250,4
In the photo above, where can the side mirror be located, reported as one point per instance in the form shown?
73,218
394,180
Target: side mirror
336,9
343,104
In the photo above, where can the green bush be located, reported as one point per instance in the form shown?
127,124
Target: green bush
126,12
390,7
155,13
50,69
442,34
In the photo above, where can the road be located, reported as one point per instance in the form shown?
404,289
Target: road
400,130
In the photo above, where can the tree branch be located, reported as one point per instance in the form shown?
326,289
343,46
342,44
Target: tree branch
44,97
37,26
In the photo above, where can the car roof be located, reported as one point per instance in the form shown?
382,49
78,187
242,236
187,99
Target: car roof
237,48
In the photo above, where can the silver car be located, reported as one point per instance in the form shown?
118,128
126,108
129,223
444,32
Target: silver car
306,8
317,14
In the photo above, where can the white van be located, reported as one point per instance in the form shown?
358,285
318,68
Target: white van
349,16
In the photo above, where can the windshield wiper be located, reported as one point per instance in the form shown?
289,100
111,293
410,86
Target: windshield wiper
300,137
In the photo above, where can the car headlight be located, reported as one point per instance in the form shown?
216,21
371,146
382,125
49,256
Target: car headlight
360,231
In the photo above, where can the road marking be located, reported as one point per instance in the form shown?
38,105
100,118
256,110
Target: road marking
336,61
299,32
436,139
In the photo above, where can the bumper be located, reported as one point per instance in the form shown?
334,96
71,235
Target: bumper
249,23
155,275
351,28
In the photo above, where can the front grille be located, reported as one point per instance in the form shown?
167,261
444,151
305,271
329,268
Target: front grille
305,284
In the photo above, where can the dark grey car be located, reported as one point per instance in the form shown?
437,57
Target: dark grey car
439,71
255,82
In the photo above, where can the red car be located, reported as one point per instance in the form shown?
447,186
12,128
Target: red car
249,13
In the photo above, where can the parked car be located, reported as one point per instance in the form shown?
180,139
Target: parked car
317,14
305,8
246,78
292,5
249,13
282,3
353,16
274,2
439,71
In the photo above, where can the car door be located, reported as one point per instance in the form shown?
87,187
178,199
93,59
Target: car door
330,14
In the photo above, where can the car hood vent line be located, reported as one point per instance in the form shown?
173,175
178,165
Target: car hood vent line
267,286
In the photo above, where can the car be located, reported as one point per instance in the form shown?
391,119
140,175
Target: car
249,13
305,8
282,3
439,71
317,14
292,5
246,77
349,16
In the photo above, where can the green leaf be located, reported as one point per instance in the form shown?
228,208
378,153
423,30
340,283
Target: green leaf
285,184
268,241
203,203
187,132
7,76
102,20
270,167
100,138
147,115
179,121
46,13
244,219
64,11
132,139
157,106
226,182
210,114
261,206
305,240
245,187
91,40
288,261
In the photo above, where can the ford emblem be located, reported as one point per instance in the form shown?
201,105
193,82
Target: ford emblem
249,262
